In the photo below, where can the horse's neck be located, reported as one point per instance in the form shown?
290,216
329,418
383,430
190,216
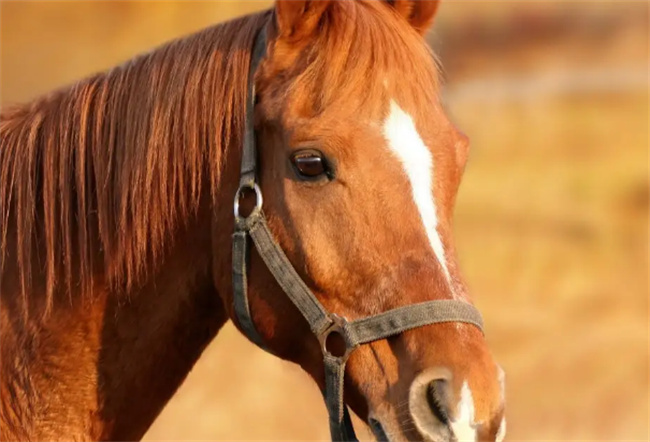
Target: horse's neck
104,370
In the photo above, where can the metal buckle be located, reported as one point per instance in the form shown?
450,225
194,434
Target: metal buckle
258,200
338,326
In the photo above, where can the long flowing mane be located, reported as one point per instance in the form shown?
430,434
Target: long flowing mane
95,177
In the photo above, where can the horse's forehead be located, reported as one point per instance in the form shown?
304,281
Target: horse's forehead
407,145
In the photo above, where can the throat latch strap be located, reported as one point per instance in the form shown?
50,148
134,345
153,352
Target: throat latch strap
321,322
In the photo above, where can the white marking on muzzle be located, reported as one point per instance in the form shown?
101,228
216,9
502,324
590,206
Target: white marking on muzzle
405,142
501,432
463,425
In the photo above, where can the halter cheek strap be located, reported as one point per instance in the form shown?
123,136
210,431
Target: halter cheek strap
321,322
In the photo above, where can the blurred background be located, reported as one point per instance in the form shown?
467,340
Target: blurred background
551,221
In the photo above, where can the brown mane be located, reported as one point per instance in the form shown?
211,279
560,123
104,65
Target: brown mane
109,166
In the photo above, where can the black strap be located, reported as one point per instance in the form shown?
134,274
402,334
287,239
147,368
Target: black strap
321,322
240,250
341,428
240,246
249,152
284,273
398,320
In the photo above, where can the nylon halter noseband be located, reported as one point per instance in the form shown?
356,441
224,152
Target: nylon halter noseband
321,322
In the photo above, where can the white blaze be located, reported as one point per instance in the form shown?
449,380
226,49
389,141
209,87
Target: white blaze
463,425
405,142
501,433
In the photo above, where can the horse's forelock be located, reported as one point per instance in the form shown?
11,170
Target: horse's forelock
362,48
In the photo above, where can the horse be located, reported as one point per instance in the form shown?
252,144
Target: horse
116,215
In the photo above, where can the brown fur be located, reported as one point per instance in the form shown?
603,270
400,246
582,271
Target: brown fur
115,204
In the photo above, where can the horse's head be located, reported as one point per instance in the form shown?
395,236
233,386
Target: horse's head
359,167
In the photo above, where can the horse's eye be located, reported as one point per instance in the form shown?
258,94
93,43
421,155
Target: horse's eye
309,163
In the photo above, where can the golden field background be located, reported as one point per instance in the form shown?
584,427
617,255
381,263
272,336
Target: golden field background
551,221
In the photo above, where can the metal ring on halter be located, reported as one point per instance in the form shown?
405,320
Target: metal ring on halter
338,326
258,200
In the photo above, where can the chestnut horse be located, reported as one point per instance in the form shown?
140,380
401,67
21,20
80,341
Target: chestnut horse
116,220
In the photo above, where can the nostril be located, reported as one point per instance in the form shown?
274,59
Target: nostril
431,404
438,399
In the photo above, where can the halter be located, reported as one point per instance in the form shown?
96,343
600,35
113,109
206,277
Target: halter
322,323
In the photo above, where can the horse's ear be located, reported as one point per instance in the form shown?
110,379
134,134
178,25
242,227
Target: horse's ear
419,13
297,19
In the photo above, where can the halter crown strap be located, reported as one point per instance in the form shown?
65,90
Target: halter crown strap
240,247
321,322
